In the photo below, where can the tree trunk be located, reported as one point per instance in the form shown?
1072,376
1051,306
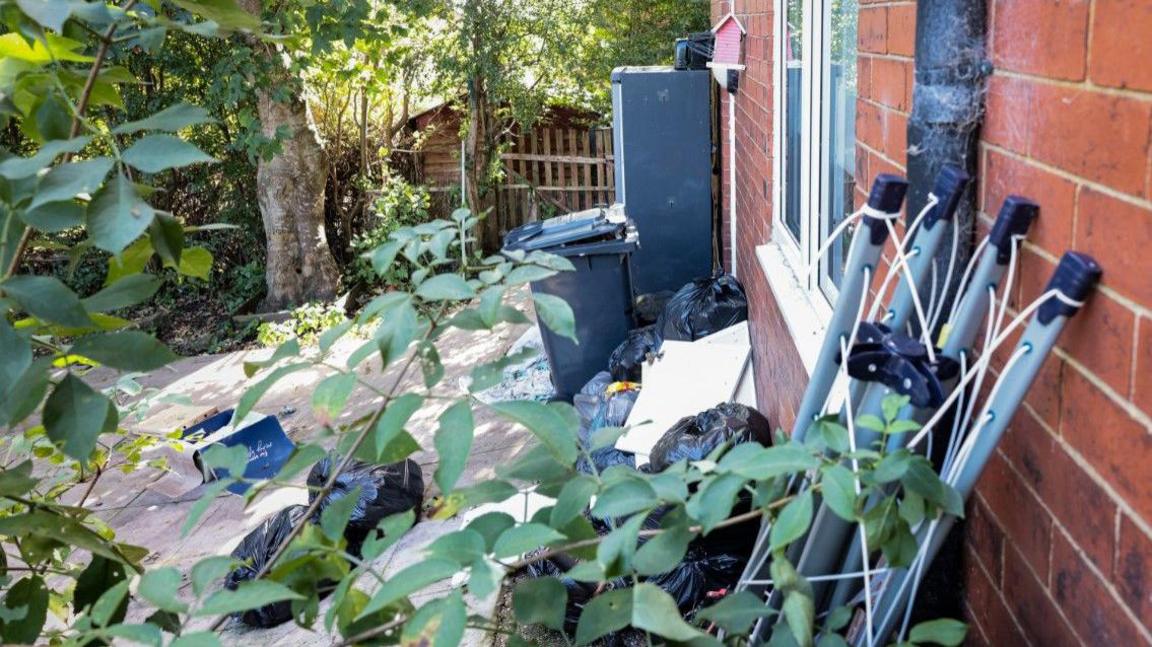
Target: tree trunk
290,190
479,148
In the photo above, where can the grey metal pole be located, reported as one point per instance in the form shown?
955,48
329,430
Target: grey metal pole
886,197
949,187
1014,219
1075,278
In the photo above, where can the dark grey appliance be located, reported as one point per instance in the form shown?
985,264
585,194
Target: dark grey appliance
662,140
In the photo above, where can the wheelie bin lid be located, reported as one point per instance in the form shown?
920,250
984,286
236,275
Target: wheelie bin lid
592,231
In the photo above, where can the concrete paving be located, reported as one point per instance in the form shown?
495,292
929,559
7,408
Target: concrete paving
145,517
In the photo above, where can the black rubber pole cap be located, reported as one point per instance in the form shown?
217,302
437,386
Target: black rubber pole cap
887,195
949,187
1076,277
1016,216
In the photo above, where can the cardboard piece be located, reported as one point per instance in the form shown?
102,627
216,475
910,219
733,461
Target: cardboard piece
687,378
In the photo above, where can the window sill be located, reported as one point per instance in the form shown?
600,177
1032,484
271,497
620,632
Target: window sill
805,312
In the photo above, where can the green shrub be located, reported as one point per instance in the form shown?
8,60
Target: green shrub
305,324
399,204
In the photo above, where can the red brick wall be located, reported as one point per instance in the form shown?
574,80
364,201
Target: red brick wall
1059,543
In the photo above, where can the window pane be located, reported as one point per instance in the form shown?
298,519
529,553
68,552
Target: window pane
793,57
839,181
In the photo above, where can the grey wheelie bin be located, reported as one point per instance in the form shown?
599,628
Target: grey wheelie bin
599,243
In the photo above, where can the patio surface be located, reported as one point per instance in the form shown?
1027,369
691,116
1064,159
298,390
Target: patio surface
144,517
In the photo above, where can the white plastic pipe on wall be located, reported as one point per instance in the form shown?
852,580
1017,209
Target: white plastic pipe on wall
732,179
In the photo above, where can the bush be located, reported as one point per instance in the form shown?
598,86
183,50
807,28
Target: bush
399,204
305,324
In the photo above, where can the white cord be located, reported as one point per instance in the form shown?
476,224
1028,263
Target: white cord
986,357
972,263
864,211
985,413
826,578
903,258
931,297
948,277
954,438
842,376
856,483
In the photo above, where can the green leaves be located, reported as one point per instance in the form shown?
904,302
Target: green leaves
645,607
130,350
445,287
331,395
523,538
156,153
170,119
47,299
161,587
126,292
839,491
26,610
556,314
74,416
755,462
944,631
453,443
225,13
663,552
792,522
624,498
553,424
117,215
605,613
736,613
655,611
409,581
249,595
66,181
540,601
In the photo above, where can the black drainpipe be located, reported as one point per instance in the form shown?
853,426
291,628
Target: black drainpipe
947,106
944,128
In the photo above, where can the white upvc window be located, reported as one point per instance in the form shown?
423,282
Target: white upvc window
815,112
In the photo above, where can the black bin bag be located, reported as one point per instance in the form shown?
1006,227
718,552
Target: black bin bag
385,490
693,438
599,405
703,307
254,552
628,358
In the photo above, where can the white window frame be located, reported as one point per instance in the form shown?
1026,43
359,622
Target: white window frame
805,298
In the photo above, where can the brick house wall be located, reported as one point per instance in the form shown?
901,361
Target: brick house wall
1058,546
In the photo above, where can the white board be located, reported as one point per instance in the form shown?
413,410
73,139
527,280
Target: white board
687,378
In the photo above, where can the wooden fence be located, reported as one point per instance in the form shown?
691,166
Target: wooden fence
548,171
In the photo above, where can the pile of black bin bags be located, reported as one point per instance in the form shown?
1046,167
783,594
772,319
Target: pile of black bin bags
713,563
385,490
700,308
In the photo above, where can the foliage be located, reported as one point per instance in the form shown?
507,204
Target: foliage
86,169
305,324
398,204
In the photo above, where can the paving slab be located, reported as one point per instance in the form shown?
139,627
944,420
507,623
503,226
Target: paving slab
144,516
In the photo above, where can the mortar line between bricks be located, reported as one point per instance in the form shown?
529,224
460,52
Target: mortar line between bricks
1081,462
1068,175
880,155
1082,86
877,104
1135,359
1135,412
899,58
1111,292
1108,586
997,589
1023,561
970,615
